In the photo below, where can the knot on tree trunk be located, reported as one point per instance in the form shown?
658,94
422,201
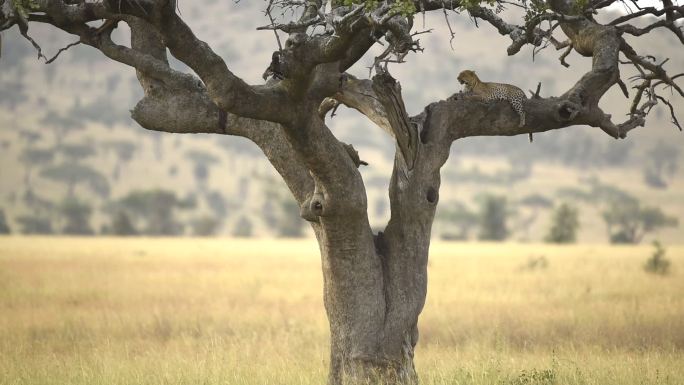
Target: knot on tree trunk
314,206
567,111
328,104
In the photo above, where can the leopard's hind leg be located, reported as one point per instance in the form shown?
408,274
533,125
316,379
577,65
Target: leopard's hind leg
518,107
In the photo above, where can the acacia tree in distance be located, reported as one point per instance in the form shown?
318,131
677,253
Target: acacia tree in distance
374,284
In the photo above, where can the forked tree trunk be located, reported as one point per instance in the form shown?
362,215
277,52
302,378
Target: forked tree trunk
373,298
373,312
376,284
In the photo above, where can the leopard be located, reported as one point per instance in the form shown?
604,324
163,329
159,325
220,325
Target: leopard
477,89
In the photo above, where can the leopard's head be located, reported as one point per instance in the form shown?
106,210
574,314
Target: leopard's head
468,78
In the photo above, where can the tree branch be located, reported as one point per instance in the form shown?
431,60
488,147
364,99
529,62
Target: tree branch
194,112
229,91
190,110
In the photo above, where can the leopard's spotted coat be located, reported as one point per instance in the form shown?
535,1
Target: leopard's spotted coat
494,91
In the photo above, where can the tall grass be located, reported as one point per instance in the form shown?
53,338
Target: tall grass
184,311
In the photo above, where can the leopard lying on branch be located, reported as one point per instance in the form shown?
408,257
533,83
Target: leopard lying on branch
477,89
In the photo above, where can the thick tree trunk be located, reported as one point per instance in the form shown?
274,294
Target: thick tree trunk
372,309
373,313
375,285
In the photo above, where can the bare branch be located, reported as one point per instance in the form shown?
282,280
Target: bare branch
672,112
520,35
292,26
270,17
62,50
632,30
452,35
647,11
656,70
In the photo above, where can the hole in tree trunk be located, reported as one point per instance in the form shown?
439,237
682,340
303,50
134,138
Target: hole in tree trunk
432,195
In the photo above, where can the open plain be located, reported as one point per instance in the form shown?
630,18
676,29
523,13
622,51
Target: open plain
225,311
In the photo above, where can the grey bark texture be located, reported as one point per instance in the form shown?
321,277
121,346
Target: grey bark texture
374,284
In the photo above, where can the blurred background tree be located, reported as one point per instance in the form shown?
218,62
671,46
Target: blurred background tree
120,224
124,150
35,225
628,221
661,165
148,212
458,220
73,174
564,225
531,203
76,217
77,152
205,226
202,162
32,158
4,226
243,228
493,217
288,223
61,124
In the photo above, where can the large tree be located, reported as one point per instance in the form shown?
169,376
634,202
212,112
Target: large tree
374,283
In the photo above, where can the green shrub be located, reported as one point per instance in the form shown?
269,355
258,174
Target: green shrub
535,377
658,264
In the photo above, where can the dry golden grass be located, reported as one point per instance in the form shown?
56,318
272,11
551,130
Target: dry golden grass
188,311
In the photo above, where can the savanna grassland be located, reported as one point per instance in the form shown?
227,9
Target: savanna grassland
221,311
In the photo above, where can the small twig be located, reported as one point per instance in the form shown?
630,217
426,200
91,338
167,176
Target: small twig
270,17
535,95
672,113
291,27
451,31
62,50
379,59
648,10
422,32
35,45
564,55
